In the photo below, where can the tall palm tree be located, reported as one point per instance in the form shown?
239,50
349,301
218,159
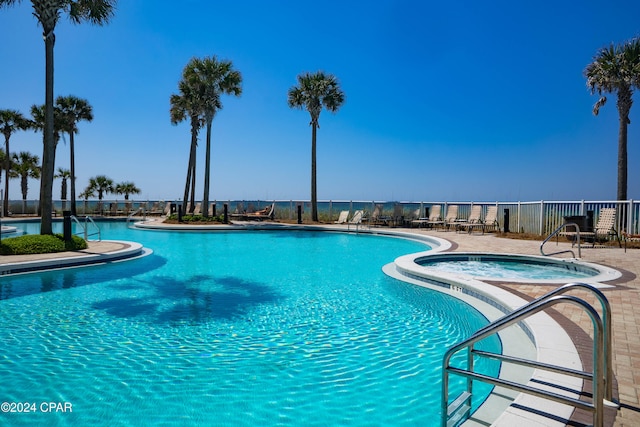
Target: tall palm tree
72,111
184,105
616,69
10,122
209,78
102,185
126,188
63,174
25,166
48,12
312,93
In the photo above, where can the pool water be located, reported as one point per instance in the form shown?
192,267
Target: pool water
505,269
238,328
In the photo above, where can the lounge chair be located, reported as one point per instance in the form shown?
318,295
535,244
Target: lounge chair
474,218
376,216
451,218
490,221
435,217
605,227
356,219
198,209
266,213
262,214
629,237
344,215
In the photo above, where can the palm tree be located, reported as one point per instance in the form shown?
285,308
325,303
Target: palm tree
312,93
48,12
102,185
86,193
72,111
127,188
182,105
25,166
616,69
10,122
209,78
63,174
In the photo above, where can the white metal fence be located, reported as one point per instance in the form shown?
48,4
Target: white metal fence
535,217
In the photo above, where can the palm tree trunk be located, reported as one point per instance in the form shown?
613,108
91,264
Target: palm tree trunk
207,167
190,171
314,190
48,153
624,106
72,168
192,202
7,166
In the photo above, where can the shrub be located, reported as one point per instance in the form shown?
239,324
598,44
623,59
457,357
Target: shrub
40,244
173,219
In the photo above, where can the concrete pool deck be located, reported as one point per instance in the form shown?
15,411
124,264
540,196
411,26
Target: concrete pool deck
624,298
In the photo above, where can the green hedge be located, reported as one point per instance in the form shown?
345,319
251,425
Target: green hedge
40,244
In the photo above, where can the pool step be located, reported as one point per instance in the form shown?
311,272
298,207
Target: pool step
458,409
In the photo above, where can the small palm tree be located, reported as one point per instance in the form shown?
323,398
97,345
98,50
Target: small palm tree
102,185
616,69
313,92
127,188
48,12
10,121
25,166
63,174
72,111
85,195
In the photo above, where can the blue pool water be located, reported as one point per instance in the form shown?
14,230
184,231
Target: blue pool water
239,328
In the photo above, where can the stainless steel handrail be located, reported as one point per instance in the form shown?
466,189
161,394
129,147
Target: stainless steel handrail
85,227
555,233
132,214
601,377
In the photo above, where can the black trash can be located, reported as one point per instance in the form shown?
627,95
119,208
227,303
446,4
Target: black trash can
580,220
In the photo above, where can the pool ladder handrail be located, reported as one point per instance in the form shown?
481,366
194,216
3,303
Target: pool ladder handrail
132,214
601,377
555,233
85,227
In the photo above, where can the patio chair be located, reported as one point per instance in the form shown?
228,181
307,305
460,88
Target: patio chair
474,218
435,217
629,237
356,219
198,209
451,218
605,227
376,216
490,221
344,215
266,213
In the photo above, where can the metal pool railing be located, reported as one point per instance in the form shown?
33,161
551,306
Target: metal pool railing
88,221
602,376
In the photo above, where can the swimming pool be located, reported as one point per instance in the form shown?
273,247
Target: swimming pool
242,328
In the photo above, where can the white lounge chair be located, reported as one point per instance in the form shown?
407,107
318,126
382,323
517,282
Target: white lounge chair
474,218
356,219
435,217
344,216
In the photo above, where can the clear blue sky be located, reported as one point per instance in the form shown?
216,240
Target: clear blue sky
447,101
